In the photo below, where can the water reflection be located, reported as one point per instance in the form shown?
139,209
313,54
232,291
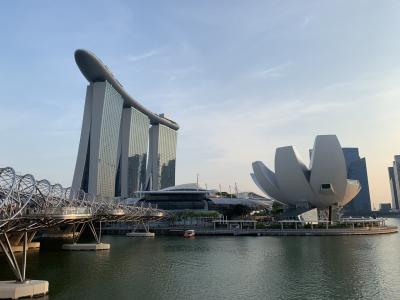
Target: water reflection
364,267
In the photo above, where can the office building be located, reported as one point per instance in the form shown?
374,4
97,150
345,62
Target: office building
394,182
357,170
162,156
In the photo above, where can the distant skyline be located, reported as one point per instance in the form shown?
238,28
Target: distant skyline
240,78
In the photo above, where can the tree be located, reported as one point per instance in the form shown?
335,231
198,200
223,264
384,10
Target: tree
241,210
277,208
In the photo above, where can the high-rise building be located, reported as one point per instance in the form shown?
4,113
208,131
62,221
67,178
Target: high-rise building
134,142
393,188
357,169
114,144
162,156
394,176
96,166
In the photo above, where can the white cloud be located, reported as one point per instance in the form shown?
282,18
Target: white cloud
220,139
273,72
148,54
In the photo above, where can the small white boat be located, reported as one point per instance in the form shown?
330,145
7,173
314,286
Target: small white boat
189,233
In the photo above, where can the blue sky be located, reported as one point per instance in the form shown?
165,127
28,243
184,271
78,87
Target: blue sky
240,77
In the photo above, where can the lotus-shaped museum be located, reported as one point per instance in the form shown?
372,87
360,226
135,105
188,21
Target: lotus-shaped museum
324,183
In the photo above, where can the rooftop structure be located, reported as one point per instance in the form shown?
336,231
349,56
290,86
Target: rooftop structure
95,70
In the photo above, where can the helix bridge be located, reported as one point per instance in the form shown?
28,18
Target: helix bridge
28,205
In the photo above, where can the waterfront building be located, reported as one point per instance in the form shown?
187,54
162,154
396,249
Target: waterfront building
96,165
357,170
394,175
385,207
114,144
190,196
162,156
180,197
134,141
393,189
324,184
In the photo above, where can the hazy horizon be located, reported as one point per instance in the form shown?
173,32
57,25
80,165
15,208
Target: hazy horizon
240,79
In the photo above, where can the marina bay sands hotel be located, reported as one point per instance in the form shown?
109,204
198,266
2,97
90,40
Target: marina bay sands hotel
123,147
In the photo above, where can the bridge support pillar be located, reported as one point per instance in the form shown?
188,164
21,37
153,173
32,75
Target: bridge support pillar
29,288
86,247
20,288
146,232
75,246
141,234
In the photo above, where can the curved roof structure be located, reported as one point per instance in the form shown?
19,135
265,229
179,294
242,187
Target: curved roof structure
325,183
267,180
95,70
291,174
328,167
185,187
253,203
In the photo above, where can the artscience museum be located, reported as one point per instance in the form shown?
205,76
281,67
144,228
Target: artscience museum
323,184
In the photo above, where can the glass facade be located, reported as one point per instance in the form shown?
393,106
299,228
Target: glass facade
167,154
177,201
137,150
162,162
119,153
357,169
396,179
393,188
108,141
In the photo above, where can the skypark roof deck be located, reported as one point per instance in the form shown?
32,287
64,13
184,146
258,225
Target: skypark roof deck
95,70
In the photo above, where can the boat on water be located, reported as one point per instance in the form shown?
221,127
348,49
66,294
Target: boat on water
189,233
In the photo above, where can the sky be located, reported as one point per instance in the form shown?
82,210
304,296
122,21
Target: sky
240,77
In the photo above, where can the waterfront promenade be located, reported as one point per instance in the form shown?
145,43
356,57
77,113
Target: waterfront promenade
296,232
267,232
250,227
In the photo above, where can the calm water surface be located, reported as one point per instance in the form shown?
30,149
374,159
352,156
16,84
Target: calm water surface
224,268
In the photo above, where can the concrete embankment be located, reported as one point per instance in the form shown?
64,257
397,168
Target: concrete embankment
271,232
298,232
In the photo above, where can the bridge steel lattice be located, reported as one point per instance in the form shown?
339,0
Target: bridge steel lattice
27,205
